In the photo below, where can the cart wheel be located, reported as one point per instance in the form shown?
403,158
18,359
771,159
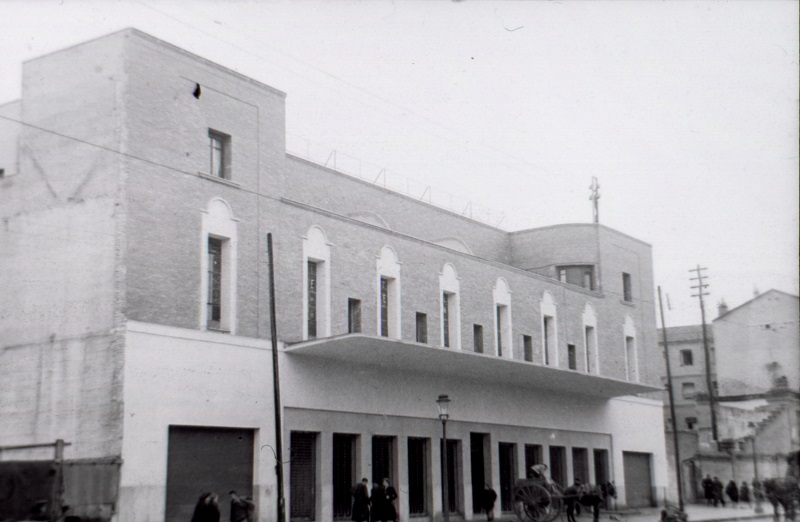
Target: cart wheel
533,503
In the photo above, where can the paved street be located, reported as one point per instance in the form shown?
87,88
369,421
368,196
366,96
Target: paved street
696,512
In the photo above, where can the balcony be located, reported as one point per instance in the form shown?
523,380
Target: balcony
365,350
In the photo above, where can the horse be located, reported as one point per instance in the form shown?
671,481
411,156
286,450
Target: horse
588,495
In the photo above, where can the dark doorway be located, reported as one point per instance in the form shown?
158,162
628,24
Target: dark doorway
477,442
383,459
344,468
558,465
580,465
303,475
418,475
452,478
206,459
508,474
533,456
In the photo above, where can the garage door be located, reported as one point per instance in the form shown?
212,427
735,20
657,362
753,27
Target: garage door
638,479
206,459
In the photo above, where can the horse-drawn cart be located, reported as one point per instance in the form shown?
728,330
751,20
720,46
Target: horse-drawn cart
536,500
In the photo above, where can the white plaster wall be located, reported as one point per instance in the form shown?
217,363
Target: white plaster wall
176,376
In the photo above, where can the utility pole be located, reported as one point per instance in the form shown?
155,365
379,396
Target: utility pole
678,470
701,286
595,188
276,384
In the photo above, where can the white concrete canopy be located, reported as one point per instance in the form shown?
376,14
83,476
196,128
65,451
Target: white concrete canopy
366,350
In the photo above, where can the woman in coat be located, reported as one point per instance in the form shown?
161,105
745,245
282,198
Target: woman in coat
360,495
733,492
390,513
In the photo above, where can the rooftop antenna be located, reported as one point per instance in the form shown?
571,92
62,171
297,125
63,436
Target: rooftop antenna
595,187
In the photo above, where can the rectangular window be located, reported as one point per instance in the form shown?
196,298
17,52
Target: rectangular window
527,346
383,457
558,464
627,292
353,316
580,465
214,304
573,363
418,476
533,456
445,320
578,275
477,338
691,422
591,349
686,358
687,390
499,322
384,307
630,354
220,154
312,299
422,328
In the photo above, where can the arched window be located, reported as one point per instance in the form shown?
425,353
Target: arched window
591,351
450,306
631,356
218,247
316,284
501,296
388,290
549,330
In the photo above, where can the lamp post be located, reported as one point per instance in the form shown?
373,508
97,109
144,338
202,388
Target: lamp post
759,509
443,402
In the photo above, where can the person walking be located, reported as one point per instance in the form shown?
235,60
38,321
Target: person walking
733,493
708,490
390,514
206,509
360,493
377,501
744,494
241,508
488,499
718,496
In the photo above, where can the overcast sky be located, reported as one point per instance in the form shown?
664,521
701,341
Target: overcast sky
686,112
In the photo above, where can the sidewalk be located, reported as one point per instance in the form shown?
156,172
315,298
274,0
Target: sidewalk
696,513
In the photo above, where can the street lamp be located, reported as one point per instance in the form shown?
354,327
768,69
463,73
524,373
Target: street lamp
443,403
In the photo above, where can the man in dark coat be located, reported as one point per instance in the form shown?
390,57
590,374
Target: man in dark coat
733,492
390,513
360,495
377,499
708,490
718,497
744,494
206,509
487,501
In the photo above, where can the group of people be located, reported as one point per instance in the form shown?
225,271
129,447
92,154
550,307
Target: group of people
207,508
376,505
715,493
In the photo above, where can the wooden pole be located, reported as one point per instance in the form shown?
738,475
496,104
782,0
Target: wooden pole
678,470
276,384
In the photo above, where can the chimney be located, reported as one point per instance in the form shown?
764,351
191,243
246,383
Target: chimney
722,308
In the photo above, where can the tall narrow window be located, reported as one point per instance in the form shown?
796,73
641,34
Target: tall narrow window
450,307
631,357
687,390
499,323
571,358
627,291
316,284
686,358
384,307
217,310
353,316
477,338
214,306
418,458
501,296
388,289
422,328
527,344
220,154
591,355
312,299
549,330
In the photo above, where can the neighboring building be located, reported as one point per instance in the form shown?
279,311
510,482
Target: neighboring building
755,369
135,210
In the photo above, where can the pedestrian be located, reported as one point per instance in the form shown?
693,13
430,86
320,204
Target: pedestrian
207,508
377,502
390,515
487,501
241,508
718,497
733,493
708,490
758,494
744,494
360,494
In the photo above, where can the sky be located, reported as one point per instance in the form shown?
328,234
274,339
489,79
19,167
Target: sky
685,111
